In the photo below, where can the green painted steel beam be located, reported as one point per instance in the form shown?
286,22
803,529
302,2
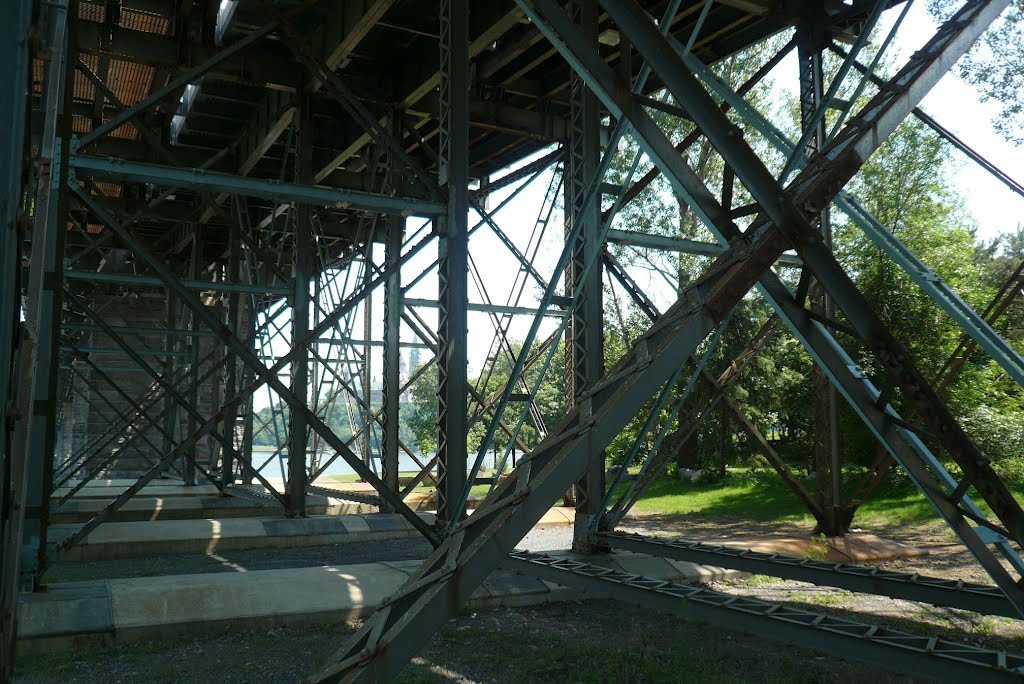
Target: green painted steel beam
134,330
165,176
486,308
373,343
110,369
633,238
151,281
112,350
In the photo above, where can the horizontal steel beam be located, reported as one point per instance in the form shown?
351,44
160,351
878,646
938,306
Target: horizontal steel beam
487,308
108,369
134,330
501,116
195,179
343,341
979,598
671,244
112,350
151,281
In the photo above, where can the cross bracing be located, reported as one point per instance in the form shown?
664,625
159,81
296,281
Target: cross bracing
233,223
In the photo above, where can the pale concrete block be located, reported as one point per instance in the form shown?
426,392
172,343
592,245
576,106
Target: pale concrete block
557,516
647,566
218,597
161,490
159,503
355,524
67,607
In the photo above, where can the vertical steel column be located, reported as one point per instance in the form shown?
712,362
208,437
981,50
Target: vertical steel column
453,258
247,408
68,412
584,341
368,276
171,345
811,40
303,257
234,275
15,18
390,387
216,382
190,453
38,398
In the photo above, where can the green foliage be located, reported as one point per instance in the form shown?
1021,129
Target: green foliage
995,66
336,418
549,400
422,418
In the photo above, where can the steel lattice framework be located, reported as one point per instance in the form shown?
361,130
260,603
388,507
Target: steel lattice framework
209,204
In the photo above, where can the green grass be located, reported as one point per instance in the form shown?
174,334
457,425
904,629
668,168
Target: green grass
762,496
734,498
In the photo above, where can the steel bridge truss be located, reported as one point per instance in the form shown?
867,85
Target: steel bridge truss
280,270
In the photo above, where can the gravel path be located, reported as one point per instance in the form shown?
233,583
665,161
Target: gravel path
594,642
547,539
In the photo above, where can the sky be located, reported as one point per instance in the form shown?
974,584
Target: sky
953,103
957,106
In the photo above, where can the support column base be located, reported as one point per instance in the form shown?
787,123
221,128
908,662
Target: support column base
583,540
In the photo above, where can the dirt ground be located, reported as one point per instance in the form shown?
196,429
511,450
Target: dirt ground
590,641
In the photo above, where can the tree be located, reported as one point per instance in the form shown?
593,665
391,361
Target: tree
995,65
549,400
658,211
422,419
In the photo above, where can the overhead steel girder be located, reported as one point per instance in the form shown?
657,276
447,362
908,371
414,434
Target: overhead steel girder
264,67
979,598
930,656
447,578
503,117
494,18
134,330
175,85
789,219
1012,184
166,176
338,89
343,29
